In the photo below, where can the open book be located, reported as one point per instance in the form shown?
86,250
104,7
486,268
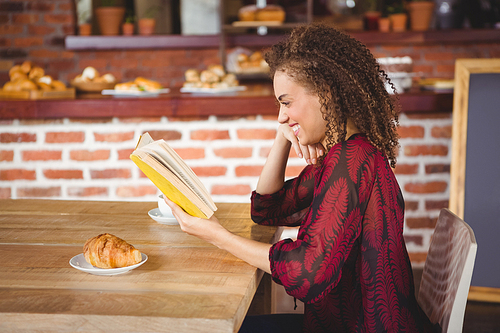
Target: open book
161,164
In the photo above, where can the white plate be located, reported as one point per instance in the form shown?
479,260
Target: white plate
134,93
212,90
81,264
156,215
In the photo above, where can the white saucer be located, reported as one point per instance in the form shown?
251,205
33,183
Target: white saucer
156,215
81,264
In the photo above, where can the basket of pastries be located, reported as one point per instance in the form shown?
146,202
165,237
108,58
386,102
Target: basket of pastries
29,81
213,78
91,81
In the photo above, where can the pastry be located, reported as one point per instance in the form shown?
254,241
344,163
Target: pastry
192,75
270,13
147,85
247,13
90,73
58,85
131,86
109,251
36,72
26,66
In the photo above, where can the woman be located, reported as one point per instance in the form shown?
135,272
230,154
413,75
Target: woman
349,264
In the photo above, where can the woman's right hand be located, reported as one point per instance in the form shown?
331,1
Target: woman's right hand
310,153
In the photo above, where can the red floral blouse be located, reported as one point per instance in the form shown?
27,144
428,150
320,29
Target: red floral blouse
349,264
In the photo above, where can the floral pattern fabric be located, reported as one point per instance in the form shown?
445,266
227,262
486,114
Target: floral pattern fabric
349,264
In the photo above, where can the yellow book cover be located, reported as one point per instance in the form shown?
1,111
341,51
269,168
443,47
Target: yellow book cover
172,176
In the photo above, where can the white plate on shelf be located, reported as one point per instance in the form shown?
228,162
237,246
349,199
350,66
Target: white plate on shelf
156,215
81,264
212,90
114,92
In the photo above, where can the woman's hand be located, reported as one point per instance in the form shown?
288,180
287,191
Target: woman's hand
310,153
205,229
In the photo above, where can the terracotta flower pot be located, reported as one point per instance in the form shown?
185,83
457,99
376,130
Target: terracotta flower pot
128,29
384,24
85,29
420,14
147,26
371,20
398,22
110,19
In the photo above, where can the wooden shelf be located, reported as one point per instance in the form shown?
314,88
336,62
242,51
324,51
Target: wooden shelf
462,36
257,99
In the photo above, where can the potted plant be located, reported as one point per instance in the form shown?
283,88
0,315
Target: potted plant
147,23
397,16
371,15
420,12
384,23
84,25
128,26
109,17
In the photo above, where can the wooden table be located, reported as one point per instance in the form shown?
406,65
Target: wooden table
186,285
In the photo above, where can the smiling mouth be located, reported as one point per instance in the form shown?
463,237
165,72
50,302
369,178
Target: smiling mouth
296,129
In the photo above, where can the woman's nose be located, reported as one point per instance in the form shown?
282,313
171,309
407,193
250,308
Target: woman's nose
282,116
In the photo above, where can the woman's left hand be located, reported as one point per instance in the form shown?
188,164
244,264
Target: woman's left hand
202,228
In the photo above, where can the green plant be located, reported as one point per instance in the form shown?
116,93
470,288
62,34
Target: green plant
396,8
151,11
108,3
130,17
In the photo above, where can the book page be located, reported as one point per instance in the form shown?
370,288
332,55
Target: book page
172,161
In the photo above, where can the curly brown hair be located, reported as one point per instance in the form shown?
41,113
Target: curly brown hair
347,79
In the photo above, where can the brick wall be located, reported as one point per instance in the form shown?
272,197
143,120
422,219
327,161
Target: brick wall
35,30
70,159
73,159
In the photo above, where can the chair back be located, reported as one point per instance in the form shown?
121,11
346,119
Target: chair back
447,272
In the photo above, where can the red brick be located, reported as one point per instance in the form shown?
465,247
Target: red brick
139,120
165,135
430,187
63,174
235,117
411,205
28,41
231,190
6,155
41,30
436,115
450,69
87,155
415,239
5,193
436,204
25,18
124,63
191,153
17,137
438,56
234,152
11,29
135,191
256,134
114,137
421,222
417,150
293,171
124,154
91,120
15,174
64,137
87,191
99,63
437,168
44,53
406,169
417,257
42,155
210,171
39,192
441,132
248,170
39,6
411,131
208,135
110,173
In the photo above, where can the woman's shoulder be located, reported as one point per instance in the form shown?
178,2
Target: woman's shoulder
357,147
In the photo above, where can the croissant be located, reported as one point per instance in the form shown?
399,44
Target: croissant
109,251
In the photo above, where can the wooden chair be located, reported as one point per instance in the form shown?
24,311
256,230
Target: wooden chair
447,272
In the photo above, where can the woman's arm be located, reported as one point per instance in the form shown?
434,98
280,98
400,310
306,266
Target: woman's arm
253,252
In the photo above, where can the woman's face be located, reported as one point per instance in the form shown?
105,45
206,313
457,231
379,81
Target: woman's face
300,110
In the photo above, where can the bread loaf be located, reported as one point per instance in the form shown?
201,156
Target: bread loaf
109,251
